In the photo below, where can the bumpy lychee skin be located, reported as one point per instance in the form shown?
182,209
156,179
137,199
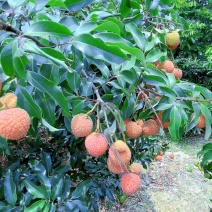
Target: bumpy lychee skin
126,121
140,122
116,168
150,128
117,157
9,100
120,146
178,73
172,40
96,144
133,130
167,65
130,183
165,124
81,125
14,123
201,121
135,168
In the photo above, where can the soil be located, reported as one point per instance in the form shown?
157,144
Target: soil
173,185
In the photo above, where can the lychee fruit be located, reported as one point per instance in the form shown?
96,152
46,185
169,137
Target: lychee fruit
165,124
158,157
133,129
171,156
150,128
96,144
126,121
201,122
135,168
14,123
81,125
172,40
178,73
167,65
116,168
119,157
9,100
130,183
120,146
140,122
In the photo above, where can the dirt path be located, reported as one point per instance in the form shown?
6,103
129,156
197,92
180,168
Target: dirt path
173,185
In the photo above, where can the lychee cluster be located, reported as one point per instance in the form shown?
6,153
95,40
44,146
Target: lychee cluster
96,143
118,162
142,128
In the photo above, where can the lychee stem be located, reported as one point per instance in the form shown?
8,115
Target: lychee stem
90,111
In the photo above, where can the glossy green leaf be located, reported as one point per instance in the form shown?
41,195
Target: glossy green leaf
116,40
97,49
137,35
175,123
33,109
77,5
81,189
108,26
54,53
47,161
48,28
125,8
36,206
154,55
10,189
57,190
57,3
36,191
15,3
73,81
20,61
6,59
34,49
45,184
47,86
208,119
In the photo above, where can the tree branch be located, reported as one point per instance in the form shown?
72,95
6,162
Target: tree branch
8,28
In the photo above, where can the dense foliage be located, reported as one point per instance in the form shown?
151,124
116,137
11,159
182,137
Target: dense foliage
195,53
62,58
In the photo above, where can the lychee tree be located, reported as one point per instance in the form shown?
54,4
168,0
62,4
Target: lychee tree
99,82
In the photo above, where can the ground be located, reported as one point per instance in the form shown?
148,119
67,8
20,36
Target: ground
172,185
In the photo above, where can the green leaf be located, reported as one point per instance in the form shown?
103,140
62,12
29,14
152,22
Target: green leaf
77,5
125,8
81,189
45,183
56,3
51,128
204,91
36,191
6,59
175,123
36,206
154,55
208,118
129,76
4,146
137,35
97,49
54,53
116,40
20,61
73,81
33,109
47,86
57,190
47,161
10,189
15,3
108,26
48,28
34,49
